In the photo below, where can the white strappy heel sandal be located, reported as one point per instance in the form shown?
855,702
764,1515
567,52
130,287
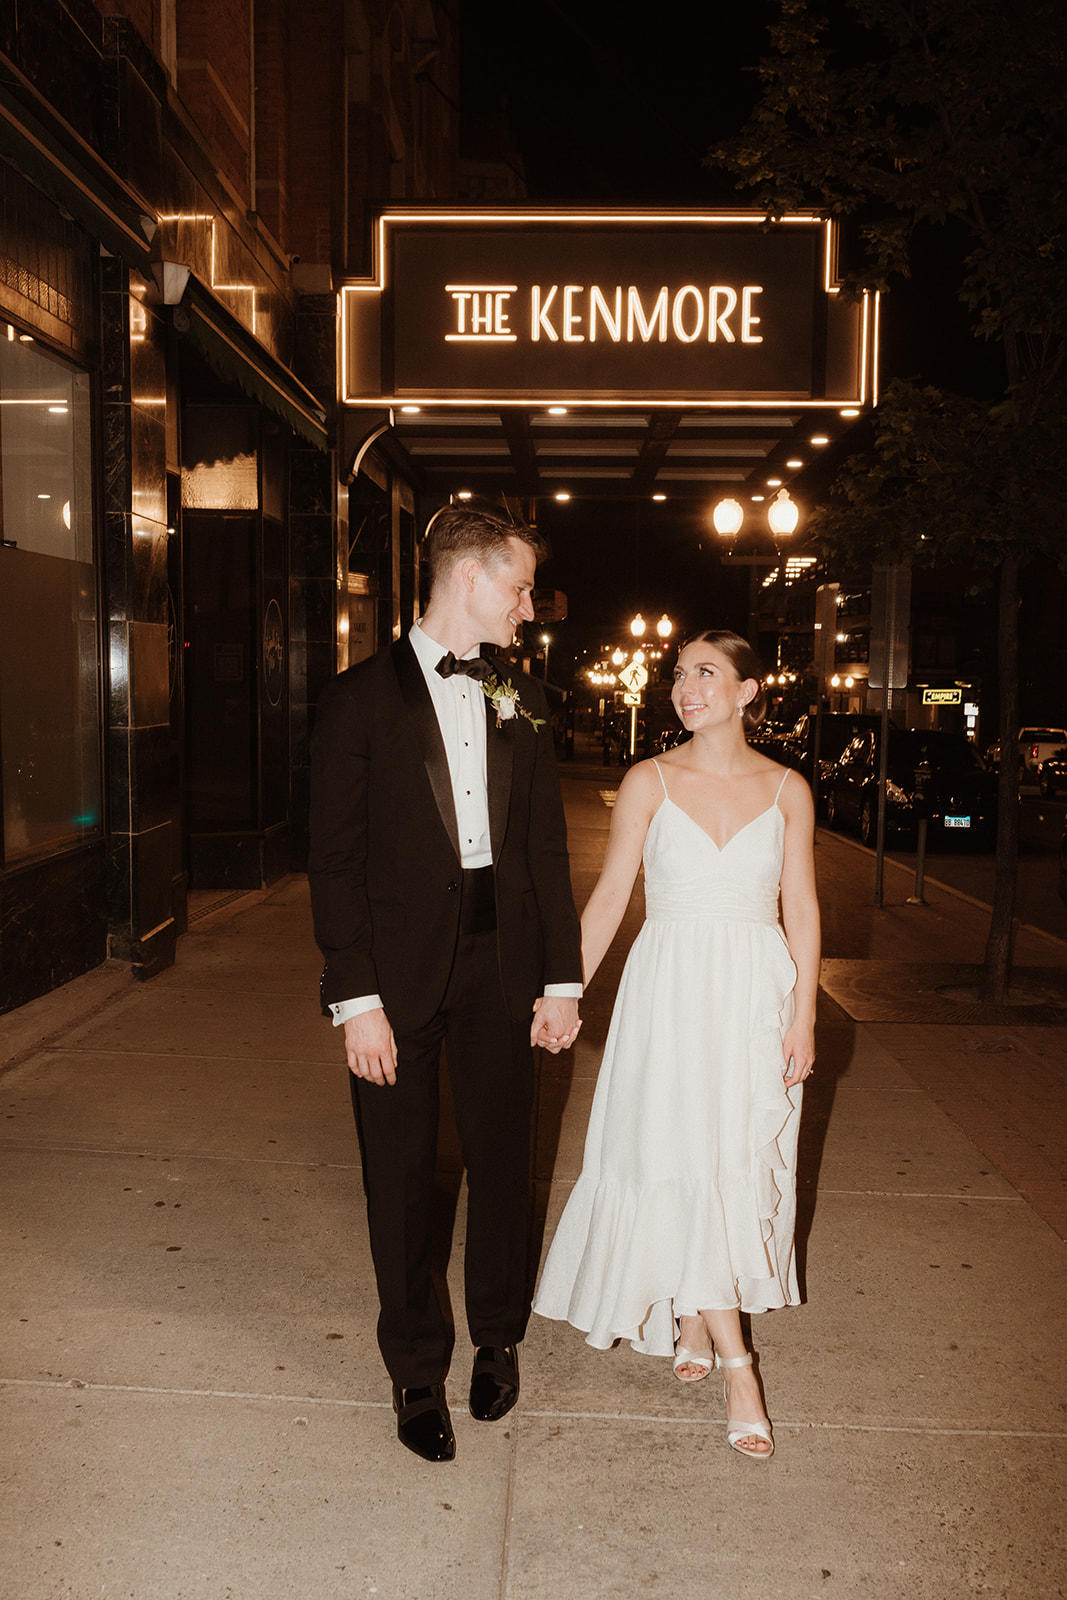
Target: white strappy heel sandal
737,1430
692,1358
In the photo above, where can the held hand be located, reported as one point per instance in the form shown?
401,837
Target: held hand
555,1023
798,1049
370,1047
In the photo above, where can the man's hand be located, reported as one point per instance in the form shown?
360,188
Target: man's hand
370,1047
555,1023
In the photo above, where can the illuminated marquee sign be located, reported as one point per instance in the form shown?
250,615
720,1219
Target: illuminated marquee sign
605,308
942,697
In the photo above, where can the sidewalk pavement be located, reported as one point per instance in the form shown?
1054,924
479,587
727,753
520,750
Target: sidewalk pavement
193,1403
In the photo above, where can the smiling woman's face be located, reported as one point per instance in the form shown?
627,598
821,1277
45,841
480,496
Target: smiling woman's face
706,690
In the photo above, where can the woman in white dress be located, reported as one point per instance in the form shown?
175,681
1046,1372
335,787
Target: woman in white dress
683,1215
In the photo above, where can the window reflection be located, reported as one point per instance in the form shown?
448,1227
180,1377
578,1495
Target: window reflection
49,683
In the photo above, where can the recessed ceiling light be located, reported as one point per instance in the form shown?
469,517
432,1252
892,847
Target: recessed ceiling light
562,494
411,411
58,411
756,498
463,494
659,497
557,411
794,464
819,438
774,483
851,411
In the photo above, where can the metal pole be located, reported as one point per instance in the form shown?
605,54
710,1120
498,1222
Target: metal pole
916,899
633,732
889,623
883,763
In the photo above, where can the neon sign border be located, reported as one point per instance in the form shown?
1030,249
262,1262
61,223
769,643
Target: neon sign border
870,307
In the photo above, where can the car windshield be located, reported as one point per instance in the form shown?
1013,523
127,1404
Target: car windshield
837,732
945,752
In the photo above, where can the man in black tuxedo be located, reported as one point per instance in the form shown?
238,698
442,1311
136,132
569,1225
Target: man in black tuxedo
442,904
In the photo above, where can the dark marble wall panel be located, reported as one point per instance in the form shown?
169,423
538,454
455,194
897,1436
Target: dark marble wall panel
312,545
154,759
119,795
115,458
53,924
151,854
148,465
143,792
147,593
148,349
118,675
311,486
150,675
119,892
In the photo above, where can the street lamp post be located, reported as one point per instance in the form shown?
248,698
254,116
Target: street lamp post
783,514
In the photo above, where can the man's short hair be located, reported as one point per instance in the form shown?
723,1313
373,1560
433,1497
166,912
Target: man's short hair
458,531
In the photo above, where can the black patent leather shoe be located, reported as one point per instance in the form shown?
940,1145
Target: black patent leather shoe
423,1422
494,1382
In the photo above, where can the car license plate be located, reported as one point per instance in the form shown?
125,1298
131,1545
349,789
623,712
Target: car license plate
957,822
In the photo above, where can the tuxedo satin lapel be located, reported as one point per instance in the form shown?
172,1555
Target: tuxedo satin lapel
499,748
425,729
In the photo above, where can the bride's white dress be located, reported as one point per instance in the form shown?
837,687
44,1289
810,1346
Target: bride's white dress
687,1195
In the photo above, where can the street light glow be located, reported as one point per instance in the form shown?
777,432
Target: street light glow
727,518
783,514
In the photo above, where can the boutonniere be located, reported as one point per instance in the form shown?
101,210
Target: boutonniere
504,699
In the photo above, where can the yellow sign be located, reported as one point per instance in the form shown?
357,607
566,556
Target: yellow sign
942,697
633,676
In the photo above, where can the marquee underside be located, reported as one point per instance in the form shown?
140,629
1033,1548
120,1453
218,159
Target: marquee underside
603,455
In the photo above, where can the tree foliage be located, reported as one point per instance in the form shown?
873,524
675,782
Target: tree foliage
948,480
911,115
900,113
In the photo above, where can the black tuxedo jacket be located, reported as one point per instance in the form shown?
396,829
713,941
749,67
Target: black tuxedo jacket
385,861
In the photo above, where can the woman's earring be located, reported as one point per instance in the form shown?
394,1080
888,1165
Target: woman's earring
740,711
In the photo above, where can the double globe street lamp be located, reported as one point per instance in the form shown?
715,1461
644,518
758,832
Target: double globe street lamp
783,515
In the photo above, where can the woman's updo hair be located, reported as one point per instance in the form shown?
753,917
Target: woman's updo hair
745,662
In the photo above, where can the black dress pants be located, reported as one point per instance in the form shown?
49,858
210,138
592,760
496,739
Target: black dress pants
490,1066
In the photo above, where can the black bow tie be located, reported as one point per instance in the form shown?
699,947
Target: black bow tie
476,667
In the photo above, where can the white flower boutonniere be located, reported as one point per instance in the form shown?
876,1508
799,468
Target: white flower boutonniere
504,699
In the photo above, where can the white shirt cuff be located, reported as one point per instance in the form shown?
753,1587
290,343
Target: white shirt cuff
344,1009
563,991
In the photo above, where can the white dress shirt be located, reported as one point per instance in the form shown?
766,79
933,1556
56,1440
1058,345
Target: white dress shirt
460,709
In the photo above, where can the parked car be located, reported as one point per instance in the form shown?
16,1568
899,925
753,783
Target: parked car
835,729
769,738
1052,774
959,792
1035,745
669,739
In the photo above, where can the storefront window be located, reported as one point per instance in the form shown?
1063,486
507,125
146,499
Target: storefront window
49,673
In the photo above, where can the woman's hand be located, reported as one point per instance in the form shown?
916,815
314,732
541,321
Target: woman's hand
798,1050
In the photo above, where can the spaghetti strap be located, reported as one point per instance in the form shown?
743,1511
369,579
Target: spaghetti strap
781,786
656,764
